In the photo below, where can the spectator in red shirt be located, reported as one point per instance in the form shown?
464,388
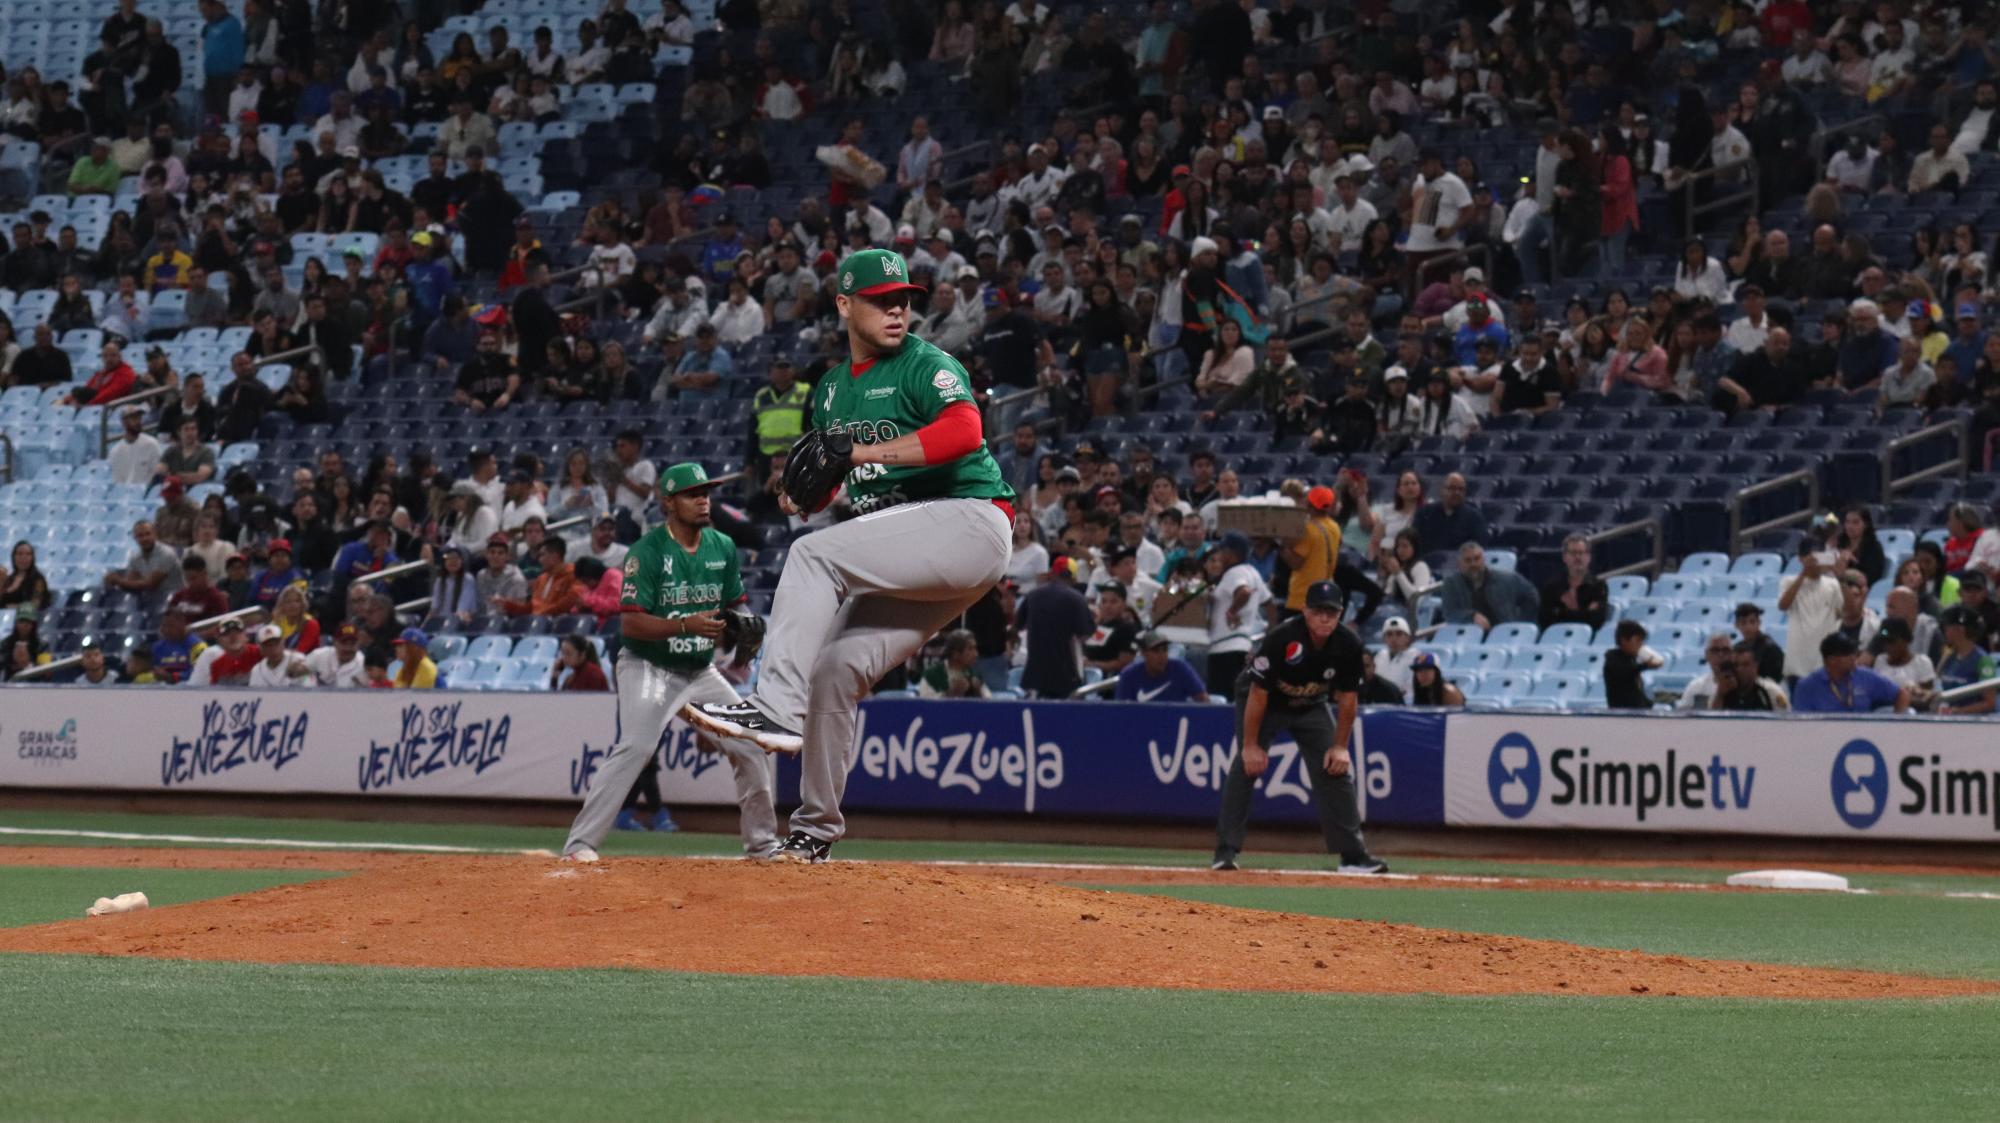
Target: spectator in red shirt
197,596
579,658
600,587
113,381
1783,19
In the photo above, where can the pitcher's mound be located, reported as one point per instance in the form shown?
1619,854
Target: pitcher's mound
887,921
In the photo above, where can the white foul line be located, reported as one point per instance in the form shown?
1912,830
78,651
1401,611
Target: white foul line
275,843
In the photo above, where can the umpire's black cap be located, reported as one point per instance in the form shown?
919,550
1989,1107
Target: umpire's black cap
1324,594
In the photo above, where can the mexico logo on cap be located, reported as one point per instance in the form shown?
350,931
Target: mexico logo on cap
847,279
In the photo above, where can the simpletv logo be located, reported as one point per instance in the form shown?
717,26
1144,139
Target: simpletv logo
1860,783
1514,779
1514,775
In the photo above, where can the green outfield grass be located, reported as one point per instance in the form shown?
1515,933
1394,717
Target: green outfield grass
1905,934
131,1039
484,836
122,1040
37,895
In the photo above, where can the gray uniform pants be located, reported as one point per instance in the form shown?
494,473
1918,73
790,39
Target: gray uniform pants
855,600
648,697
1339,813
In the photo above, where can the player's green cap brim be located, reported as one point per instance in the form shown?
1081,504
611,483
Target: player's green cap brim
684,477
872,272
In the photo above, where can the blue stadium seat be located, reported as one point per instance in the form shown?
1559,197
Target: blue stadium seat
1512,635
489,648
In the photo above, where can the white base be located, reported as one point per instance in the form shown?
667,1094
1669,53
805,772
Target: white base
1790,879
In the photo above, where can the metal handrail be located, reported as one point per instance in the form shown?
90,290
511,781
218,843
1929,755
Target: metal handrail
412,605
1968,690
1749,193
1740,534
1891,483
1643,526
1446,261
68,661
392,571
7,443
550,528
1817,145
104,418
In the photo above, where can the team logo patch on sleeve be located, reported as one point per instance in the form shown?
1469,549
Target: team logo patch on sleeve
631,565
948,385
1261,665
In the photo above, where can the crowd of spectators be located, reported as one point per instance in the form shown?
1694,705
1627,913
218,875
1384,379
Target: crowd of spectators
1235,196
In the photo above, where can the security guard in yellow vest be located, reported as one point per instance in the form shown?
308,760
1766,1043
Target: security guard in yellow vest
778,412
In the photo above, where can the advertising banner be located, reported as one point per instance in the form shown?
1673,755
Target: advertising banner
350,742
1830,777
1056,759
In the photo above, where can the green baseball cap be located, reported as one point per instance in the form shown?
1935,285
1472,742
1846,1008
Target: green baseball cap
683,477
869,272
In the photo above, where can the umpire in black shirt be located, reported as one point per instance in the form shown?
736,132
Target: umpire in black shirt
1285,688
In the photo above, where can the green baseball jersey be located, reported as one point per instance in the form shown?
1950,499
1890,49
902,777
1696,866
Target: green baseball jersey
892,397
662,579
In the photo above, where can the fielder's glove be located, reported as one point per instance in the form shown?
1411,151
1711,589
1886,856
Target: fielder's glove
742,631
819,461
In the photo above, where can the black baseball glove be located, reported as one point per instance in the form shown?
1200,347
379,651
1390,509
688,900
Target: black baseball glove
819,461
742,630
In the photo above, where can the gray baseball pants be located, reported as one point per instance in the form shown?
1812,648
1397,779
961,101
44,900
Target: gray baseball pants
856,600
1333,796
648,697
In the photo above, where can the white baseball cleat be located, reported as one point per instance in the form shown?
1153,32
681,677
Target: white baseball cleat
582,855
744,722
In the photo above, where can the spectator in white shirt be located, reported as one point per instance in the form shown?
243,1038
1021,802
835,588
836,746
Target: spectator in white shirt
1437,199
1351,217
1852,168
1807,65
1058,302
1038,187
1227,364
590,59
1908,380
1699,275
279,666
1749,331
1399,651
135,456
869,218
611,261
1811,601
464,129
1893,66
1943,168
338,664
737,320
678,314
522,503
341,121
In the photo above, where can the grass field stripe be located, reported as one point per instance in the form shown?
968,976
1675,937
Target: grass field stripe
275,843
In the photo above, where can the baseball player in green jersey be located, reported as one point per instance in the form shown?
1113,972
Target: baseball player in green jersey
857,598
682,581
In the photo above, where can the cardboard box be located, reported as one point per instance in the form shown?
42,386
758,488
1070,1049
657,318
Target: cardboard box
1189,613
1262,518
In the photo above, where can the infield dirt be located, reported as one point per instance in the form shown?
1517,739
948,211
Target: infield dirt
874,920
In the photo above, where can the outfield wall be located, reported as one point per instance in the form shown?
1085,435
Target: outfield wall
1738,774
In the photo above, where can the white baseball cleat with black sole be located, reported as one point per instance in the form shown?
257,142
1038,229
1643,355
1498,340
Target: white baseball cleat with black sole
744,722
802,849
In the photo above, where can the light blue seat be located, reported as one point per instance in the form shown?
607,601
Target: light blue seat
1485,658
1651,611
1502,559
1536,659
522,674
538,650
1758,564
1459,634
1627,586
1705,565
457,668
1507,685
1570,636
1897,542
1708,614
1683,585
1512,635
1733,588
491,647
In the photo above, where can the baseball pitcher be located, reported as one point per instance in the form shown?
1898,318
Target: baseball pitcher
896,422
682,589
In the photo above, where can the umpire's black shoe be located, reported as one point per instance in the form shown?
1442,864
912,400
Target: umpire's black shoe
1365,863
1222,863
744,722
803,849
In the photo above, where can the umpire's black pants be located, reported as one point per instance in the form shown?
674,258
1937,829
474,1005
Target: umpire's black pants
1339,813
